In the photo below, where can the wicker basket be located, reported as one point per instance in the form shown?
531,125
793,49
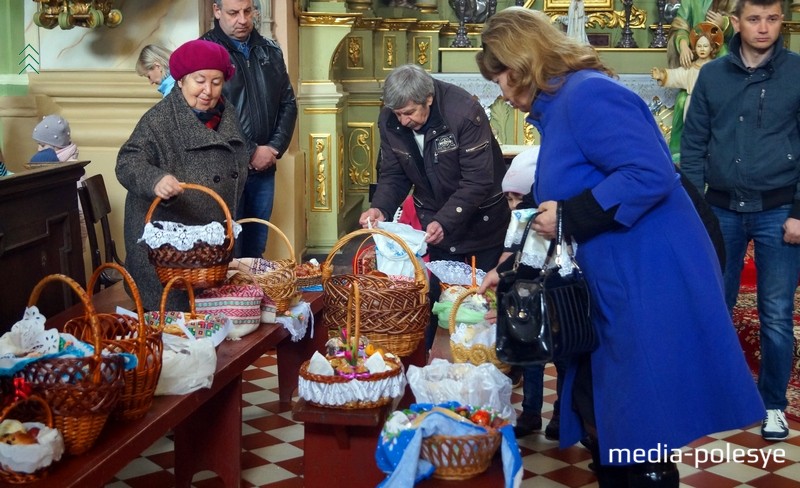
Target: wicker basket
123,333
476,353
279,284
204,266
30,409
371,391
394,314
460,457
82,392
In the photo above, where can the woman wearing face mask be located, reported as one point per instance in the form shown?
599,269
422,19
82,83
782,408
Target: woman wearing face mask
153,64
190,136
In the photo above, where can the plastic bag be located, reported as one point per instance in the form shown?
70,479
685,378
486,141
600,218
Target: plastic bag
465,383
187,365
392,258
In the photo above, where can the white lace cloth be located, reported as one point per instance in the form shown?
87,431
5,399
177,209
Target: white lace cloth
534,252
455,272
298,321
472,334
184,237
29,341
355,390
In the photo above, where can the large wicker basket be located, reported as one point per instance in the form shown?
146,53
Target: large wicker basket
394,314
29,409
337,391
123,333
204,266
82,392
280,284
476,353
460,457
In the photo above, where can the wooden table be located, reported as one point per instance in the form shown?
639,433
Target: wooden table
339,444
207,423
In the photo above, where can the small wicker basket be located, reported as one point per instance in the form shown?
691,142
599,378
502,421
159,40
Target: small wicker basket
205,265
460,457
279,284
82,392
372,390
394,313
476,353
123,333
30,409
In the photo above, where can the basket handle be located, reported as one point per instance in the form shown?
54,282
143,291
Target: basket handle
142,333
30,398
163,307
215,196
91,313
419,273
354,308
454,311
273,227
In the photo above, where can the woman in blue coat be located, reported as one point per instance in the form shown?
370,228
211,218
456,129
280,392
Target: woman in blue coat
669,368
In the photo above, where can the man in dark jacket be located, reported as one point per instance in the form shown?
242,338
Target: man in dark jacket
264,99
742,140
436,139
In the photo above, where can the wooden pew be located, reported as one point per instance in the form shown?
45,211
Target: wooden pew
207,424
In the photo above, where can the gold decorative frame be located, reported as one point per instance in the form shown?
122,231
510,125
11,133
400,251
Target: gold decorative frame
361,155
589,5
319,166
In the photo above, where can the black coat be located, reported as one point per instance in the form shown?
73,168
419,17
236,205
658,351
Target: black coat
260,91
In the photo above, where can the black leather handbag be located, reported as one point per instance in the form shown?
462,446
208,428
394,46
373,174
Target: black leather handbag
543,316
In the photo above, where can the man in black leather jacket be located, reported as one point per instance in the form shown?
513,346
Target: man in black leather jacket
264,99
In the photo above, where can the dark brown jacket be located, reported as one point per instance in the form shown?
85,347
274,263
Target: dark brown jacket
456,180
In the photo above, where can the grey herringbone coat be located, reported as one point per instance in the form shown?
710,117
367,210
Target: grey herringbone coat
170,139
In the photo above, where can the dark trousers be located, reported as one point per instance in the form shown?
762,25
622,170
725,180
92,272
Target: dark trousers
484,260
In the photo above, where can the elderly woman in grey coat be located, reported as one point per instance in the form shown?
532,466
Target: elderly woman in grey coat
188,137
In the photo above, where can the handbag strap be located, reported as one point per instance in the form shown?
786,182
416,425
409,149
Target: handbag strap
556,245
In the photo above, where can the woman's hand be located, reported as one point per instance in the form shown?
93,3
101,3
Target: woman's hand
545,223
168,187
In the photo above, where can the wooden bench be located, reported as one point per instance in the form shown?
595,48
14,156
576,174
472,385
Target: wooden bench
207,424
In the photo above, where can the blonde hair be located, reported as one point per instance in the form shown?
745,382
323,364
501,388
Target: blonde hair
536,54
150,55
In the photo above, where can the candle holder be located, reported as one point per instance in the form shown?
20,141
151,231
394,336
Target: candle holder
627,34
461,39
660,37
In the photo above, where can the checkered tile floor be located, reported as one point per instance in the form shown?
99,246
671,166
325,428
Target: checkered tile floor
273,450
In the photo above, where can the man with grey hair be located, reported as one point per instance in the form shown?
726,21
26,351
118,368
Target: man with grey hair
437,143
262,94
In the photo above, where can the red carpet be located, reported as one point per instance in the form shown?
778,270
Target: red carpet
745,319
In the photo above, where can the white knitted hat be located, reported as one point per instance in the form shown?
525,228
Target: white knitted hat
521,172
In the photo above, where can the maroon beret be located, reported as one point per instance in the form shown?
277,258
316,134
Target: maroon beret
198,55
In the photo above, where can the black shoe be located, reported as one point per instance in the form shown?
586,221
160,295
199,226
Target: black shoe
527,424
551,432
653,475
515,375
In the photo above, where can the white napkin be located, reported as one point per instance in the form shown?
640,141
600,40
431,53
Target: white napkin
320,365
376,364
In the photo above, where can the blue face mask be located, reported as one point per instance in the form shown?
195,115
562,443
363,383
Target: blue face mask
166,85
